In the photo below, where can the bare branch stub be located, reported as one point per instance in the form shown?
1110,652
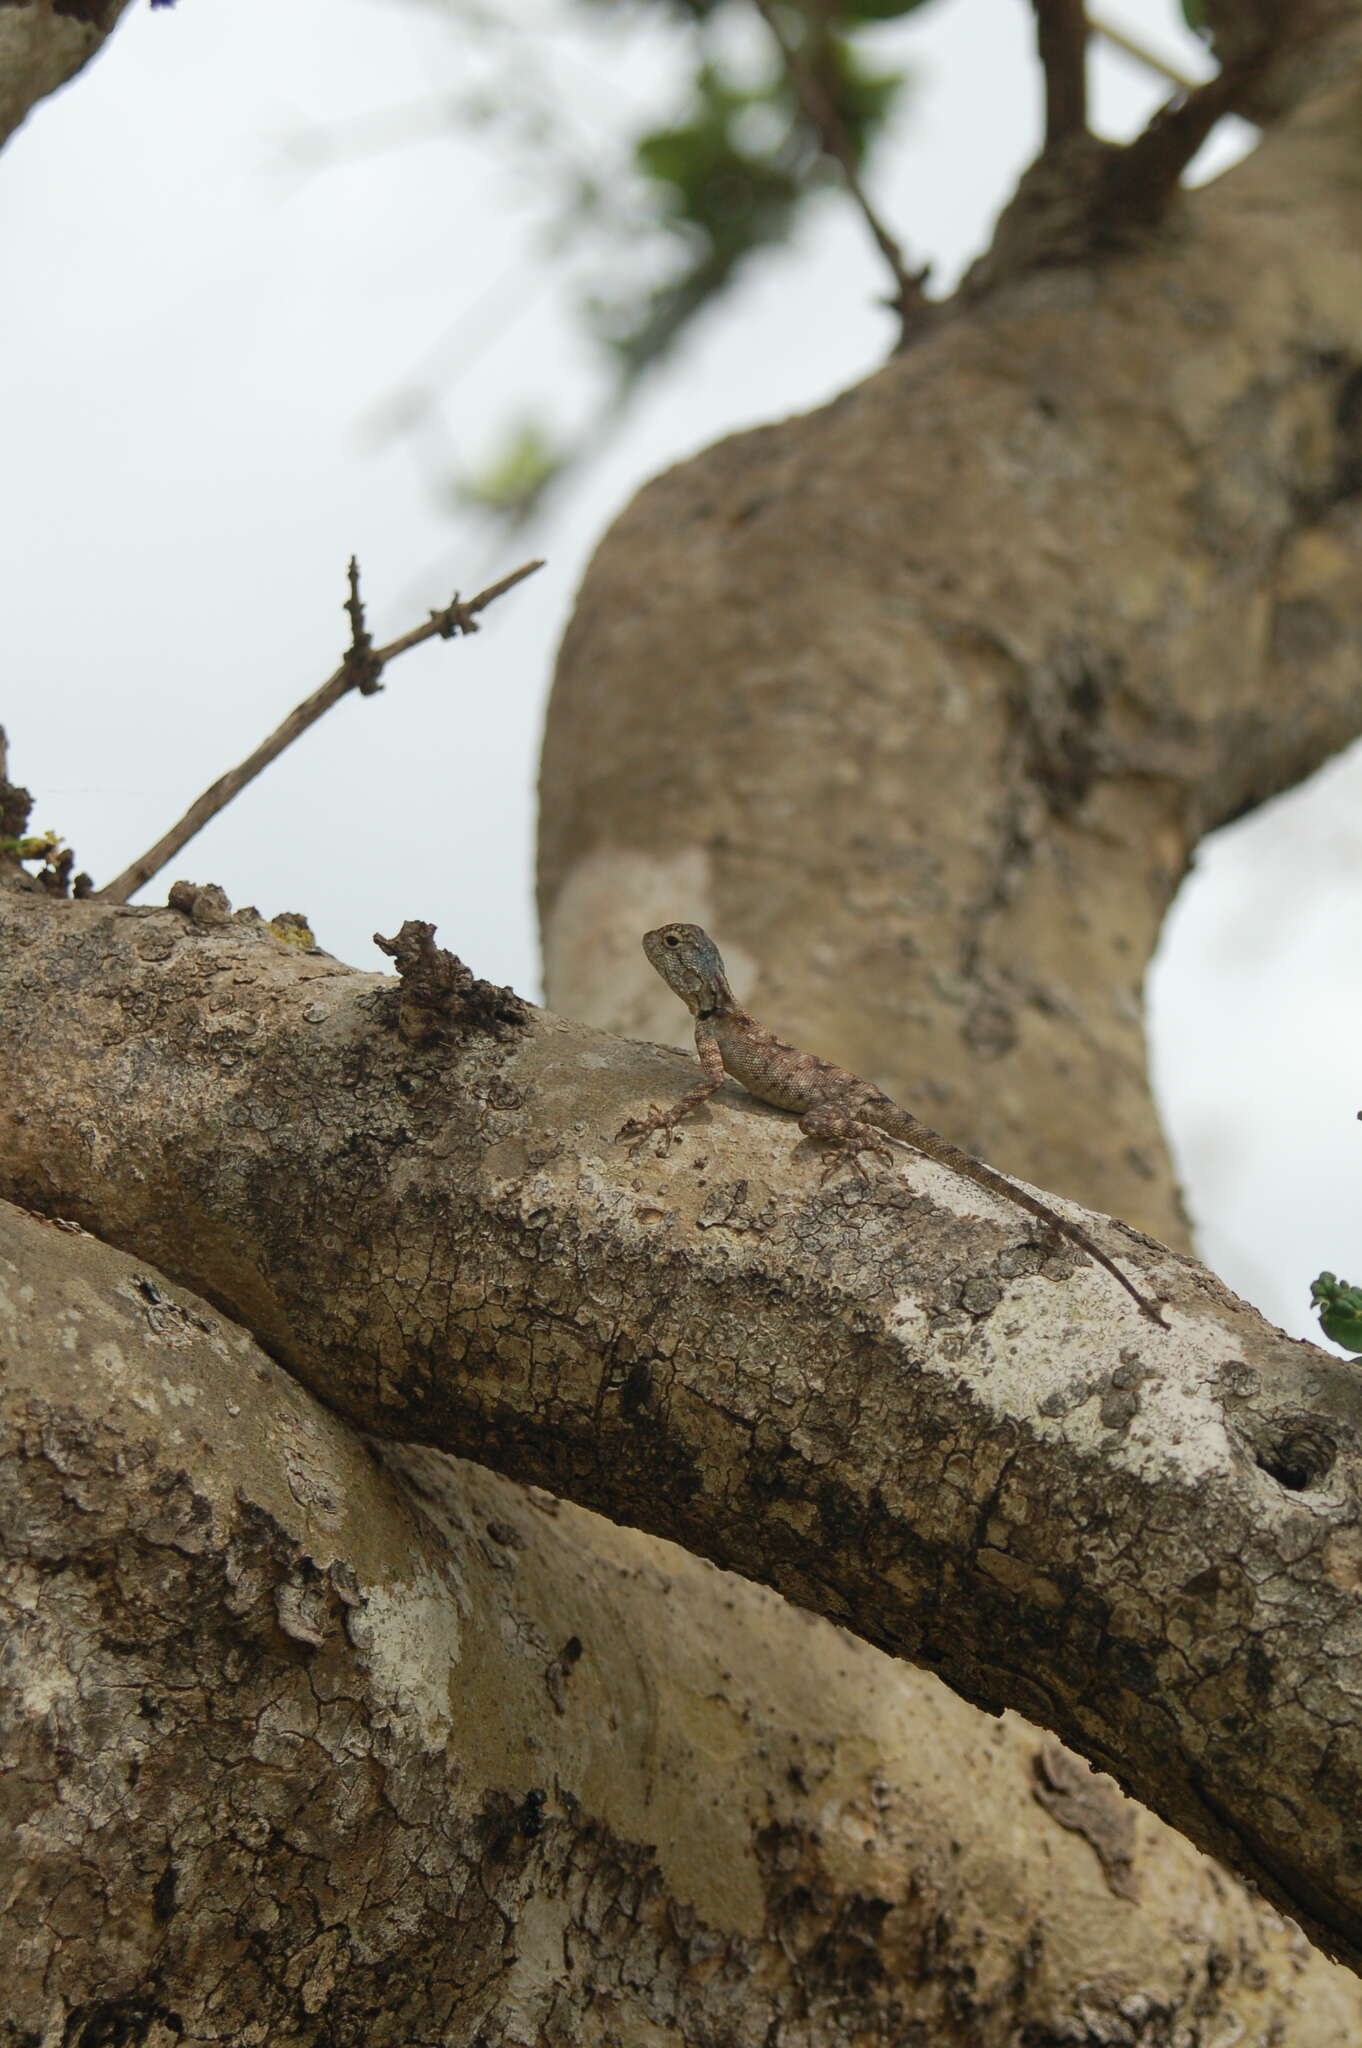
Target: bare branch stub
1142,179
1062,42
1273,56
438,998
15,803
363,664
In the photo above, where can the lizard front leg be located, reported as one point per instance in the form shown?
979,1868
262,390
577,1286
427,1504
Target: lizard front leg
836,1124
640,1127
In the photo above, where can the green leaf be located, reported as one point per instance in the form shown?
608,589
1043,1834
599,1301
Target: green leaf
1339,1308
511,483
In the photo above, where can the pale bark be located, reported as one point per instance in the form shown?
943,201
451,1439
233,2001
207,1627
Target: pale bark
289,1754
877,1404
42,44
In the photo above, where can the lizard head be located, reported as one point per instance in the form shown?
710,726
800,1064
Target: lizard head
688,961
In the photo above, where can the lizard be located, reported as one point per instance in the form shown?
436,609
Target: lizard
833,1105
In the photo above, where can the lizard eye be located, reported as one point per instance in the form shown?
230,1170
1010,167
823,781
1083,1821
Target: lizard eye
671,940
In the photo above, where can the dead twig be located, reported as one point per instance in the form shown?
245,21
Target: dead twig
365,666
1062,42
909,301
360,670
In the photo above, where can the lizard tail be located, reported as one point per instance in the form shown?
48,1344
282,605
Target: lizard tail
923,1139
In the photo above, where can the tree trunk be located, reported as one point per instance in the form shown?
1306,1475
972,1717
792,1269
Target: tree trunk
921,702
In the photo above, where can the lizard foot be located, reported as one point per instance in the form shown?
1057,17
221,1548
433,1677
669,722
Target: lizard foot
846,1152
847,1138
640,1127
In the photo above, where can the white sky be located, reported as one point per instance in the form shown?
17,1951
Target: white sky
200,331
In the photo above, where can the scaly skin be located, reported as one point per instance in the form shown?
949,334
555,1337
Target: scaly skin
851,1115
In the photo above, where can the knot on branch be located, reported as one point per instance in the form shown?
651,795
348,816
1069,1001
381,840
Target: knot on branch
55,875
460,615
205,902
457,617
441,999
363,664
293,928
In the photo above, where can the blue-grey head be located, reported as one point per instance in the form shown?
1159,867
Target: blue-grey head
688,960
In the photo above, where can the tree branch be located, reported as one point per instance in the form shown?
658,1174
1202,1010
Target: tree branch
894,1406
909,300
1141,179
360,670
1152,60
1062,41
271,1547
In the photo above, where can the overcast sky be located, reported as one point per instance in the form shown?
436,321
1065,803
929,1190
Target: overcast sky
221,268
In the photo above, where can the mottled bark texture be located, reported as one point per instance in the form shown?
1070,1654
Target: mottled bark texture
42,44
296,1746
920,702
892,1405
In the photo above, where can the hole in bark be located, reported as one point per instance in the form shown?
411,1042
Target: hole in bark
163,1900
1349,477
1298,1457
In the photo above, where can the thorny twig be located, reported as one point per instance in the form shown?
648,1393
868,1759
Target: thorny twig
361,669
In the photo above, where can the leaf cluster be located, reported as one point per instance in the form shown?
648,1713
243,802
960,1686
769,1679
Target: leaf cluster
729,176
1339,1308
729,173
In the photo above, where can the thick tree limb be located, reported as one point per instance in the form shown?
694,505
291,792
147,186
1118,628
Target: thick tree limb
173,1505
1149,1542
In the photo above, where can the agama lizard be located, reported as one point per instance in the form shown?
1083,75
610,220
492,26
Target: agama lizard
851,1115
